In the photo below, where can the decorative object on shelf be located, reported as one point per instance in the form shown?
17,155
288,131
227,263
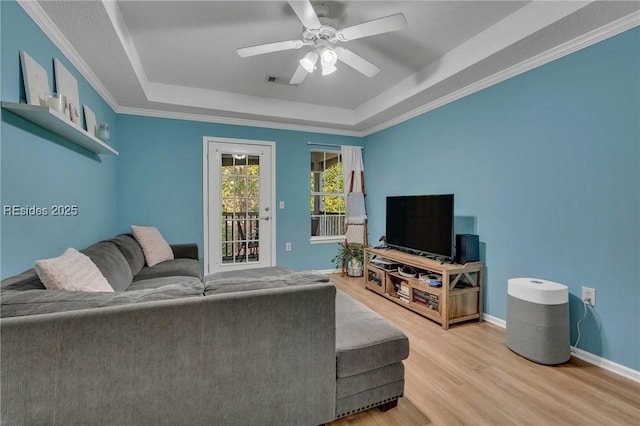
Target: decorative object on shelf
353,256
90,120
67,85
57,102
406,271
431,280
36,80
103,132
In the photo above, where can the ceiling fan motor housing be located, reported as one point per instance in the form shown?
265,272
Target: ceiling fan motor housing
324,33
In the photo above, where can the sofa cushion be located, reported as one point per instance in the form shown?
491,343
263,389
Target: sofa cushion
131,251
187,251
364,340
232,285
267,271
170,268
71,271
27,280
229,284
31,302
352,385
152,283
154,246
111,263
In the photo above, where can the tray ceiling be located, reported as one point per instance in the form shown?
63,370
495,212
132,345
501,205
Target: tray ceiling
178,58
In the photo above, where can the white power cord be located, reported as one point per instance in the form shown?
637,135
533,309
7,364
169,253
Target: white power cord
584,302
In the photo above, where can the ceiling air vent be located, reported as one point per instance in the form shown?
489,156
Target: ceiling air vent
279,80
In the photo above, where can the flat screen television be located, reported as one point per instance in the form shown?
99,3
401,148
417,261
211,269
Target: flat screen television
422,223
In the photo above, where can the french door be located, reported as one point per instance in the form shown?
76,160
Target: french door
238,189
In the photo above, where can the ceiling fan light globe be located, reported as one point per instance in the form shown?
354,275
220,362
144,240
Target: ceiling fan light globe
328,69
328,56
309,61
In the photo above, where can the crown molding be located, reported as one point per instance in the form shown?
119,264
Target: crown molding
586,40
235,121
42,20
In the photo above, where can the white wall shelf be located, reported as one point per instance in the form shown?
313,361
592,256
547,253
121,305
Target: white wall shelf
52,120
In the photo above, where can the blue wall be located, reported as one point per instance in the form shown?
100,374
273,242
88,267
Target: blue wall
160,182
548,164
39,168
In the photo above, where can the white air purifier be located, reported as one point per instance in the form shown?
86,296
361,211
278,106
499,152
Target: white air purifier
538,320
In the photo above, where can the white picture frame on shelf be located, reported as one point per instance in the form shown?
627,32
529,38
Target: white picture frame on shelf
67,85
36,80
90,121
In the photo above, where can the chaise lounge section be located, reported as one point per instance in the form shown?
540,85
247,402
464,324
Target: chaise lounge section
369,350
250,347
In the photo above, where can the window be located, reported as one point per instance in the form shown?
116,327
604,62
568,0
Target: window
327,203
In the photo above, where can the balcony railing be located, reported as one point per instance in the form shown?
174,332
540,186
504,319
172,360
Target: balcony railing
328,224
240,237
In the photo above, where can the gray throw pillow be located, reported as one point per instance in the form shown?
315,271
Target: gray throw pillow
111,263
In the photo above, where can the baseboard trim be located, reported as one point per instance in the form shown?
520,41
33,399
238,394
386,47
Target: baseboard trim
326,271
494,320
585,356
614,367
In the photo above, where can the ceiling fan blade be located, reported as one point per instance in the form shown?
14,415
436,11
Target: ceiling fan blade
377,26
269,47
299,75
356,62
306,14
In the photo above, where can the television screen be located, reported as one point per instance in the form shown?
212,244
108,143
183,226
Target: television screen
422,223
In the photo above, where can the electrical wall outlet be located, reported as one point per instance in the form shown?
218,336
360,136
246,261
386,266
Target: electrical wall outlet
589,296
287,246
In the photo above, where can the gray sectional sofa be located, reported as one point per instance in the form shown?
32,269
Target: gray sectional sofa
259,346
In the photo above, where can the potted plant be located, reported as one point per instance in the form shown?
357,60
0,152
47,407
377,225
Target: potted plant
351,255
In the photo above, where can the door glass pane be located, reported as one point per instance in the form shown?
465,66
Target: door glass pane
240,180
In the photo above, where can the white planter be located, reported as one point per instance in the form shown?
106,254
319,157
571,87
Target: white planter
354,268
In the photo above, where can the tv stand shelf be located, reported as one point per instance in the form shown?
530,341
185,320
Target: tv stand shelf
459,299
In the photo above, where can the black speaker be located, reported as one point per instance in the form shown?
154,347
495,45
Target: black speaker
467,248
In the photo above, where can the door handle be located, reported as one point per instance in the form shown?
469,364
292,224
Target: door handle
265,217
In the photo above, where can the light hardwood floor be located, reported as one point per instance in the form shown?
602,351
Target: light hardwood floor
467,376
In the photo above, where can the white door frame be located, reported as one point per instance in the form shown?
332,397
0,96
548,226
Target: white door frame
205,191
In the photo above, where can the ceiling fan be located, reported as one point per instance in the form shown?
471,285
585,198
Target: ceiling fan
323,39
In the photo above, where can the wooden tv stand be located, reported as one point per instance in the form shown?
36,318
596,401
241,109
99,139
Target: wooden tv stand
459,299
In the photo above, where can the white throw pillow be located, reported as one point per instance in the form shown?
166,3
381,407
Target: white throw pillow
154,246
72,271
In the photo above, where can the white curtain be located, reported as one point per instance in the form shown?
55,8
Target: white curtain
352,162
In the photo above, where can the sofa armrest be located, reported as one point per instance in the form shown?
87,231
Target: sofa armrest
185,251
